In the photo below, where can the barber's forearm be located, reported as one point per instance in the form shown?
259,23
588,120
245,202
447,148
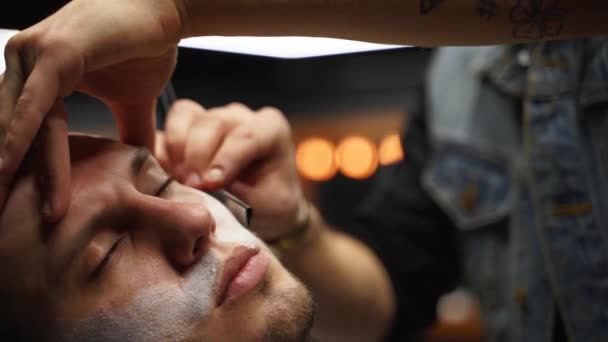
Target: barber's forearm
354,297
416,22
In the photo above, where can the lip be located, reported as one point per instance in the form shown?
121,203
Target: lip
242,272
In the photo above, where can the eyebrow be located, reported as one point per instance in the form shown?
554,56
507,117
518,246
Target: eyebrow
88,230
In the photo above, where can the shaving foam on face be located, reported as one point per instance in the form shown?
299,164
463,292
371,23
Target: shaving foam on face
159,313
168,312
229,231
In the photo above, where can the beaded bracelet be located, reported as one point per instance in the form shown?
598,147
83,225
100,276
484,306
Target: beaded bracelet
290,240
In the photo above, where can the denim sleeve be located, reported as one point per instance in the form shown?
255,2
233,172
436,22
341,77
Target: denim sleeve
414,239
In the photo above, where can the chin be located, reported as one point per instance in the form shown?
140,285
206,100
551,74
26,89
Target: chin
279,309
289,315
289,308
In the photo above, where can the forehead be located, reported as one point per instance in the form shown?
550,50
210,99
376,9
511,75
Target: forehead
86,152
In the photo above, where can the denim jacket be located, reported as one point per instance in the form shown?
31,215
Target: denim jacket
520,133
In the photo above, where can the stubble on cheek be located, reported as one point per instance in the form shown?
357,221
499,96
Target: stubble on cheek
288,308
292,315
162,312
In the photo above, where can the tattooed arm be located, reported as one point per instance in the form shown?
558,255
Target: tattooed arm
416,22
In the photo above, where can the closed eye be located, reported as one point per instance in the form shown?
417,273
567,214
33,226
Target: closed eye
164,186
108,257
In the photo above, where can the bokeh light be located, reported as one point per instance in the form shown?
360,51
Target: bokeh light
456,307
357,157
390,150
315,159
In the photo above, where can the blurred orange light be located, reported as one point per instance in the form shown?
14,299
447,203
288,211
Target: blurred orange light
390,150
357,157
315,159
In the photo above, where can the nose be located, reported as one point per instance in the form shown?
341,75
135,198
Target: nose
181,230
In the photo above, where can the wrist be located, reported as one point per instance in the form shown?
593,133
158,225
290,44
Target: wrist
304,234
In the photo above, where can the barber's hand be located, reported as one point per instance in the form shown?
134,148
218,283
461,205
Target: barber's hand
250,153
121,52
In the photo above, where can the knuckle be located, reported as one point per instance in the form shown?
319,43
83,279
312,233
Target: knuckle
269,110
66,57
13,45
11,142
237,107
278,119
186,105
54,42
13,51
245,134
26,106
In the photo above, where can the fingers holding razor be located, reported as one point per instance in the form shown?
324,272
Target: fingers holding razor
214,147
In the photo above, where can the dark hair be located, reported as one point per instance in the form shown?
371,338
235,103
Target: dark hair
23,318
20,329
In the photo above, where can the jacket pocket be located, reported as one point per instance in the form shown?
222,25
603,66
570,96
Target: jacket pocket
474,189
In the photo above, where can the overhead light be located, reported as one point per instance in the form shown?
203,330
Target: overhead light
279,47
283,47
315,159
357,157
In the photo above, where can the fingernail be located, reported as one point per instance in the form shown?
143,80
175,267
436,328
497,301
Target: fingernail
214,175
193,180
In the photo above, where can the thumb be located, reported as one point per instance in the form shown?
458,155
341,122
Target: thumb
54,175
136,123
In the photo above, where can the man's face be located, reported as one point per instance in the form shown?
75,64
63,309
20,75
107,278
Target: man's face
141,258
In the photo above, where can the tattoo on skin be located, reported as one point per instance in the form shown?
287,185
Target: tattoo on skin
351,3
487,9
537,19
427,6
